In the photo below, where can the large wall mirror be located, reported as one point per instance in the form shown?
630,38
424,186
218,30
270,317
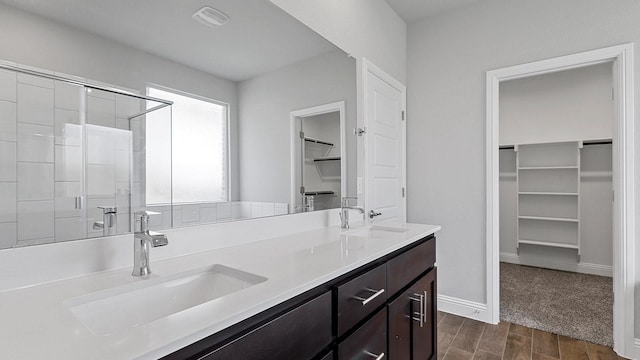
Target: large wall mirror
235,112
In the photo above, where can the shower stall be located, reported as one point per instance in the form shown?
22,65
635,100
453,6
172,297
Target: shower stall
72,157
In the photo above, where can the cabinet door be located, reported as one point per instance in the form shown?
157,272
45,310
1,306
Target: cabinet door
424,339
412,326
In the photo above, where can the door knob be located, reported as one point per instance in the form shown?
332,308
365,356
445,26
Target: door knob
373,214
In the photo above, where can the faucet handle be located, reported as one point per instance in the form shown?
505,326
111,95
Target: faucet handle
144,214
108,209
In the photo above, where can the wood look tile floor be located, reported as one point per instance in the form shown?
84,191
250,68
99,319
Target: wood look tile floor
465,339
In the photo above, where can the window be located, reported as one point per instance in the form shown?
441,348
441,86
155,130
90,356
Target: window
199,150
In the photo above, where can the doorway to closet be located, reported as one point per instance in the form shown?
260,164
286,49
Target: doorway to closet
622,59
556,210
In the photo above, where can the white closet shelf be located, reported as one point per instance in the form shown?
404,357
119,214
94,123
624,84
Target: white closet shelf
547,193
547,167
547,243
546,218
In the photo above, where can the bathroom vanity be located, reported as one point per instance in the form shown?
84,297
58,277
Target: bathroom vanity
389,299
318,294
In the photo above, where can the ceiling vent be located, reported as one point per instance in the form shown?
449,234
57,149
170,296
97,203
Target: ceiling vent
210,17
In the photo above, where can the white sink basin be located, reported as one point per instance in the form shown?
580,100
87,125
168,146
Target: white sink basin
371,230
115,310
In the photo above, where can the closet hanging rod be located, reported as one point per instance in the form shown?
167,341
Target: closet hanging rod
598,142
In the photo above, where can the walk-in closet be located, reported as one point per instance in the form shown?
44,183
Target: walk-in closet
556,195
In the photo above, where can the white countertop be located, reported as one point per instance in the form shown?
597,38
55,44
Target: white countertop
36,323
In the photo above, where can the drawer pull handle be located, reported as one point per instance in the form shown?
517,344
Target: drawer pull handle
377,357
375,294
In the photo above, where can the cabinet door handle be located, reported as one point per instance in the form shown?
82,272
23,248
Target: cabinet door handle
377,357
426,307
420,316
365,301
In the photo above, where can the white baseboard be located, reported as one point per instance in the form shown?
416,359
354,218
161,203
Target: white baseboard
581,267
464,308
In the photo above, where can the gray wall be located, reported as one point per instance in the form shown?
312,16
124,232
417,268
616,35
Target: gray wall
264,131
362,28
448,57
563,106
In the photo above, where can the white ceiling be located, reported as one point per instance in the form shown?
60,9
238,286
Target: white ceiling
259,38
413,10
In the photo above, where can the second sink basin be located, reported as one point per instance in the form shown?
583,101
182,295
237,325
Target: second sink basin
115,310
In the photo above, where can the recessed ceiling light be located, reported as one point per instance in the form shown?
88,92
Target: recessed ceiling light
210,17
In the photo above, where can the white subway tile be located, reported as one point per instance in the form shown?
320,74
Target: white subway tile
101,145
35,181
224,211
101,180
191,213
67,128
256,210
236,211
67,96
8,201
32,242
123,165
68,229
35,80
208,213
8,85
35,220
268,209
122,227
101,112
35,143
35,105
68,163
281,209
8,235
7,121
95,93
7,161
65,201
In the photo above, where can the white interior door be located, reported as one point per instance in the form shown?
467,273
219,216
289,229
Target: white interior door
385,153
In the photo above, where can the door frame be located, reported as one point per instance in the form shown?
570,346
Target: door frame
622,58
312,111
369,68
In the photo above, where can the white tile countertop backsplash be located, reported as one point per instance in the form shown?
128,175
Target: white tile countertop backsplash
37,324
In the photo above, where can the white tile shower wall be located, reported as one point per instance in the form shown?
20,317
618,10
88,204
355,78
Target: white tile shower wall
8,81
7,161
7,120
35,105
35,220
8,186
9,235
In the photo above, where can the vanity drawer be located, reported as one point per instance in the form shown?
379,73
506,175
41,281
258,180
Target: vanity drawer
359,297
404,268
368,342
299,334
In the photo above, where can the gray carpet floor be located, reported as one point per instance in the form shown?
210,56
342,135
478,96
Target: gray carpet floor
575,305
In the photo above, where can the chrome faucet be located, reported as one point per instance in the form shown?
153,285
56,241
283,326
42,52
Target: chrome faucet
143,240
109,220
344,211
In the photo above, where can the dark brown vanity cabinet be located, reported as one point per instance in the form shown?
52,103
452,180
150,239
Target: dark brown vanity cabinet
383,310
